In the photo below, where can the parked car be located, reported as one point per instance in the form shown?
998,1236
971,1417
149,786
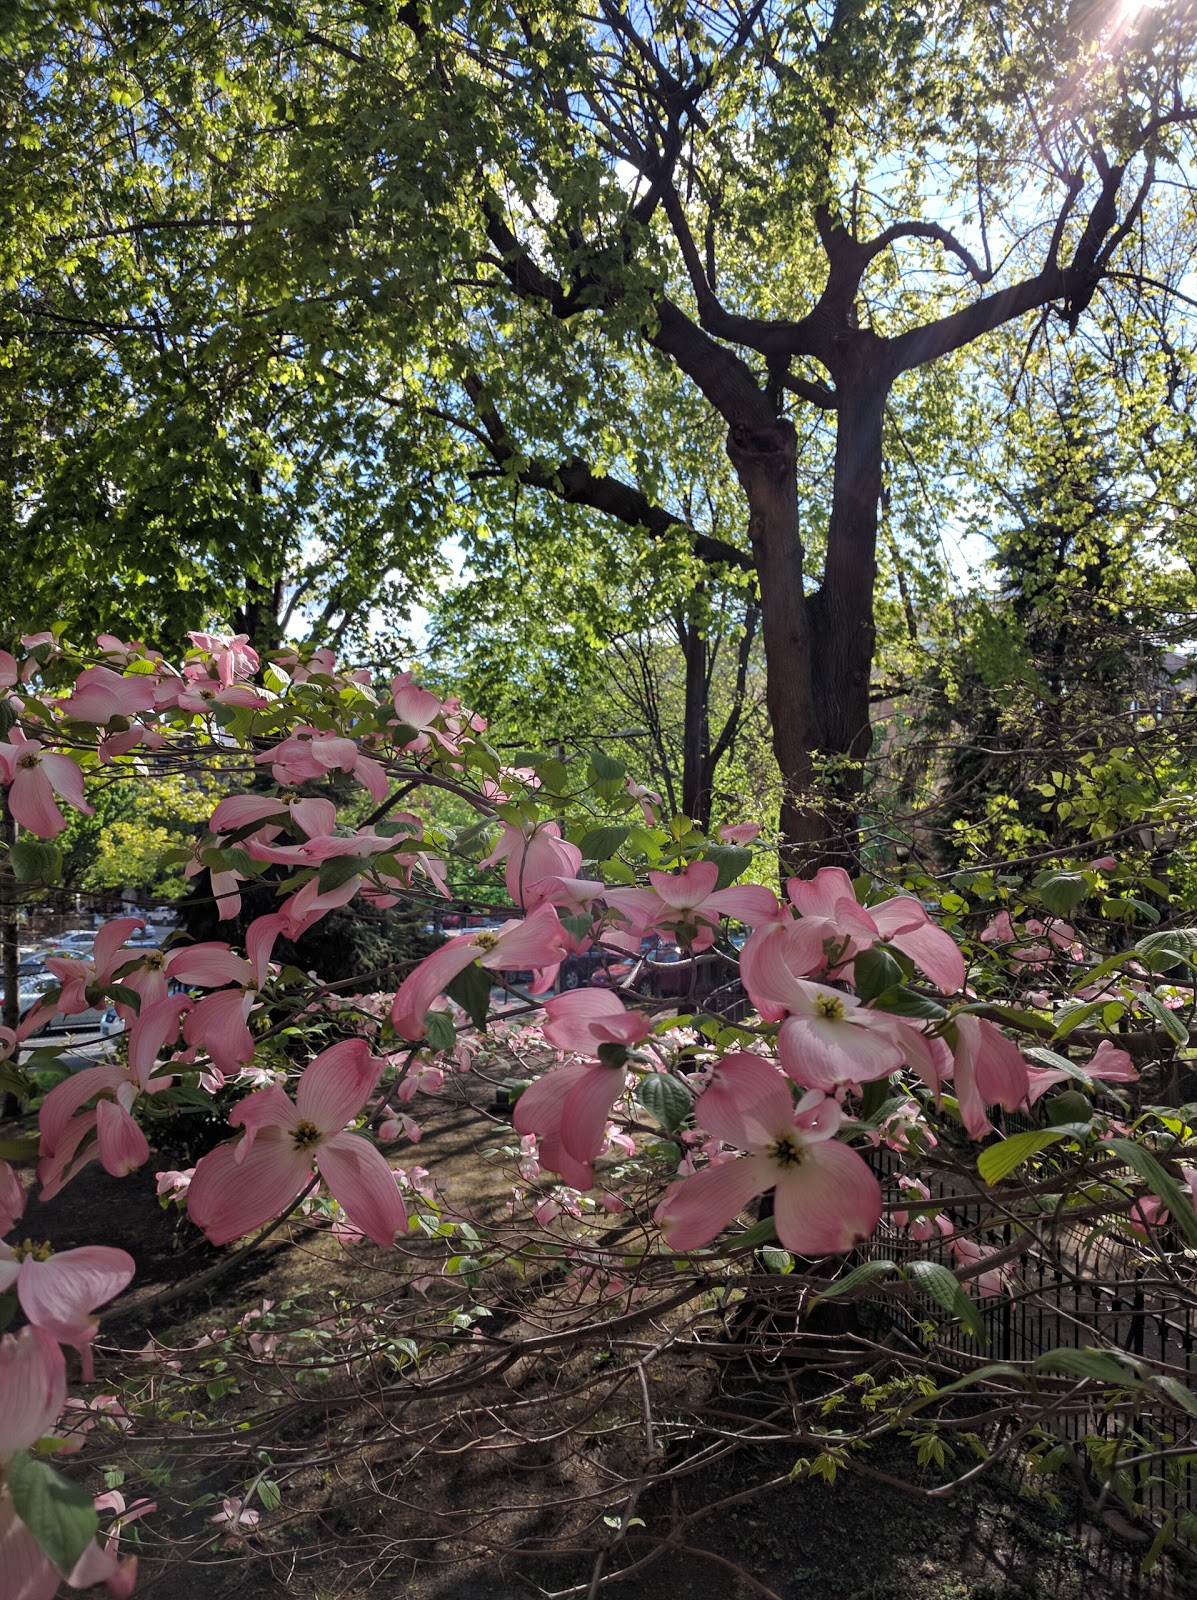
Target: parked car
34,988
111,1024
76,941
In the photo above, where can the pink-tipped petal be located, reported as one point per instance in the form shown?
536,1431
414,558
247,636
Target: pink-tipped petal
584,1115
32,1389
421,987
828,1202
696,1209
67,779
27,1573
220,1024
818,896
749,903
156,1027
540,1108
336,1085
682,891
228,1198
60,1294
123,1146
208,965
265,1108
932,950
820,1053
65,1099
363,1185
31,801
747,1102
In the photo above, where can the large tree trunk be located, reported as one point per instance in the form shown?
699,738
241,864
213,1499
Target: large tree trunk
818,650
842,628
765,460
696,730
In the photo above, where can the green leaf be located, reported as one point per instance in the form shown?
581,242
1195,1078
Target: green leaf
944,1288
35,862
600,843
58,1514
664,1098
605,769
866,1272
338,870
1061,892
1160,1182
760,1233
779,1261
903,1002
471,990
995,1162
731,859
441,1034
1173,948
874,972
1168,1020
1103,1365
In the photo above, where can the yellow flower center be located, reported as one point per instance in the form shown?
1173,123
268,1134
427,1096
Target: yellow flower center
27,1247
305,1135
28,762
486,940
831,1007
786,1151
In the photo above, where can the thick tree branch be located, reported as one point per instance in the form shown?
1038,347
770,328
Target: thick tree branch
574,482
938,235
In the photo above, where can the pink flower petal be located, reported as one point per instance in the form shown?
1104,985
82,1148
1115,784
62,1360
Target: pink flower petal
31,801
818,896
208,965
587,1108
540,1108
336,1085
420,988
229,1198
220,1024
821,1053
123,1146
60,1294
32,1389
696,1209
363,1185
828,1202
747,1103
266,1108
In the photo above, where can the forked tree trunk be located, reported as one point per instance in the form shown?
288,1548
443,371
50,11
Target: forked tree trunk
818,648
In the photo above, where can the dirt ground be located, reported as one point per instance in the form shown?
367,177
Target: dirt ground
423,1499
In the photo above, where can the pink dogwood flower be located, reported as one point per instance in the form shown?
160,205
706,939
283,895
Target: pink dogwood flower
826,1200
59,1292
229,656
241,1185
34,777
827,902
832,1041
537,941
688,905
532,854
568,1107
989,1071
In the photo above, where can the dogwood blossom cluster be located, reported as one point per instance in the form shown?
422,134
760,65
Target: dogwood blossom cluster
861,1028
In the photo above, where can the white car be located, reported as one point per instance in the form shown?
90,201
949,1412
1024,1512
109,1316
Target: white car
111,1024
